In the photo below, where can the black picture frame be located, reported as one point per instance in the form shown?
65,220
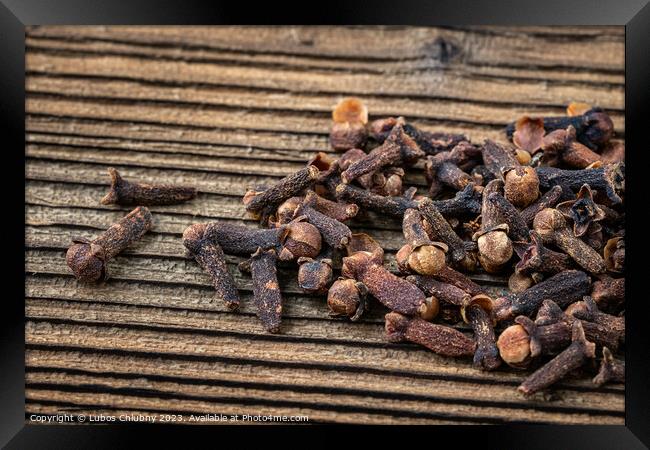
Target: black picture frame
16,14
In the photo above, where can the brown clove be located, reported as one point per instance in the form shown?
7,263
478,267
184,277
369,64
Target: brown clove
420,254
347,297
438,338
537,258
266,290
123,192
494,245
442,231
610,179
611,370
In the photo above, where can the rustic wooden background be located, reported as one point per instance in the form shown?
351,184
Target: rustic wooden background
223,108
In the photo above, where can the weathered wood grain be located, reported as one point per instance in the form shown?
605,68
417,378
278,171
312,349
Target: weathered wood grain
225,108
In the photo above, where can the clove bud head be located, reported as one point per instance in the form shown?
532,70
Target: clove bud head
350,109
521,186
514,346
314,275
425,259
346,297
494,250
302,240
87,261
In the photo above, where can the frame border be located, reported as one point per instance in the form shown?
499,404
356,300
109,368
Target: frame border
16,14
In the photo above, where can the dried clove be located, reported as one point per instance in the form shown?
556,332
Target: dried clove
347,297
438,338
610,179
587,310
528,134
420,254
266,290
611,370
583,211
442,231
302,240
609,293
123,192
494,244
333,232
393,206
519,282
614,255
573,357
349,129
338,211
243,240
88,259
508,214
548,200
486,355
392,291
521,182
398,149
315,275
563,288
198,240
552,228
537,258
263,204
594,127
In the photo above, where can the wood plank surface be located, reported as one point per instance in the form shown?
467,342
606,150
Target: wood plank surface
225,108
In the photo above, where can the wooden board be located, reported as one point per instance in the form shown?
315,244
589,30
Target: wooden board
223,108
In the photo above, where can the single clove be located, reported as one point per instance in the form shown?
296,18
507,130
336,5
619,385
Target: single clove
420,254
263,204
609,293
243,240
494,245
392,291
548,200
508,214
552,228
610,179
587,310
123,192
438,338
614,255
88,259
573,357
594,128
611,370
334,233
207,253
393,206
398,149
347,297
350,116
266,290
563,288
442,231
315,275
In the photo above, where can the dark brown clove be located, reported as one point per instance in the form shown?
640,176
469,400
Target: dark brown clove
521,182
613,152
395,293
548,200
243,240
207,253
552,228
609,293
438,338
336,234
508,214
445,166
398,149
263,204
611,370
420,254
594,128
442,231
486,356
123,192
315,275
610,179
573,357
537,258
266,290
347,297
466,202
582,211
587,310
563,288
350,116
302,240
393,206
519,282
494,245
338,211
88,259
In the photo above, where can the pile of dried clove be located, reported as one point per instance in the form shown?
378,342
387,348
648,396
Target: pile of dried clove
545,209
